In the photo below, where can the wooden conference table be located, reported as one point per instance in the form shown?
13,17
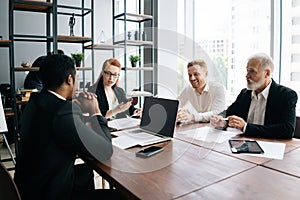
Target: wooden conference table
193,169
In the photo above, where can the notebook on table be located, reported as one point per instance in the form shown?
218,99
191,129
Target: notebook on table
157,124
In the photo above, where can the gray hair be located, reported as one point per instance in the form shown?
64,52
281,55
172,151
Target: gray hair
264,60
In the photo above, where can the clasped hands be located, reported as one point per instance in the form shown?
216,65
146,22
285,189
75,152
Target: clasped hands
88,103
233,121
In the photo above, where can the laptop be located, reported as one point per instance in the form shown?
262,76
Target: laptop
157,124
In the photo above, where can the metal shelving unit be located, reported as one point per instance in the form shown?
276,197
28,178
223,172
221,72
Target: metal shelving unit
82,40
26,6
51,9
144,48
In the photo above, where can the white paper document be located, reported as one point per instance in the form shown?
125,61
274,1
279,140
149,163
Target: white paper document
210,134
123,123
138,93
3,126
126,139
273,150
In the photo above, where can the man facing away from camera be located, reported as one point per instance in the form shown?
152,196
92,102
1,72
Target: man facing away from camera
53,134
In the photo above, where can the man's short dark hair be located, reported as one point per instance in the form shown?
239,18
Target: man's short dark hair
55,69
59,52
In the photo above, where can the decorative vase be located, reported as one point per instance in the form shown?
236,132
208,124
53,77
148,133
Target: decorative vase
133,64
102,37
129,35
144,36
136,35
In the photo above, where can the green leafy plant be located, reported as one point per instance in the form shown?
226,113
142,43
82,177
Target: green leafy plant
134,59
77,56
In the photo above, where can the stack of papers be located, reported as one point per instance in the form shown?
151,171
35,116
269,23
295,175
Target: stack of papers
127,139
210,134
123,123
273,150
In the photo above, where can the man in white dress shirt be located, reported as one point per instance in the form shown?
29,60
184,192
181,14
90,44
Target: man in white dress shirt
206,98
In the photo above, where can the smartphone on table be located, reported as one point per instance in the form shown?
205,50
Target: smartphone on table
150,151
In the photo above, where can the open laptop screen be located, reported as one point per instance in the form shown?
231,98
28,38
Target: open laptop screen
159,115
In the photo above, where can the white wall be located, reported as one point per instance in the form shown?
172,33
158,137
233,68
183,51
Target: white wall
4,54
167,49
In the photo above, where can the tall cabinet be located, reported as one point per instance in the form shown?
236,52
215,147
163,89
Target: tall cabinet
52,38
133,30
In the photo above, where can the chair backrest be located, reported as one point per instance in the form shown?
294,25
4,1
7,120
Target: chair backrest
297,129
8,188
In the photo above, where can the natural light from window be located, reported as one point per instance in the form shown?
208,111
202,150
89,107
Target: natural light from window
229,31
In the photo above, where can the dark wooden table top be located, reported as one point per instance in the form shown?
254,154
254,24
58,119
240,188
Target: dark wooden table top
255,183
290,163
224,147
192,169
180,169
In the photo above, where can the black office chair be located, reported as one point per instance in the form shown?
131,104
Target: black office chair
297,129
8,188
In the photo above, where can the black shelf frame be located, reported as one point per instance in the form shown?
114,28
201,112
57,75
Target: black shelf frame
50,8
140,19
47,8
83,40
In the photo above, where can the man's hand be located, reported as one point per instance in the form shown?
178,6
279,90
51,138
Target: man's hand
185,116
236,122
88,103
218,121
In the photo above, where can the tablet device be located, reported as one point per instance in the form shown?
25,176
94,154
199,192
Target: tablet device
245,146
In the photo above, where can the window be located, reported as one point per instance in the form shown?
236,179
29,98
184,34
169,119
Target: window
242,27
290,59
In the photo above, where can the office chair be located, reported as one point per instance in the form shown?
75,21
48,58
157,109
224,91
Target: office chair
297,129
8,188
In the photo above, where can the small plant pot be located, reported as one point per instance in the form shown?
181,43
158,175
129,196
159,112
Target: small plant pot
78,63
133,64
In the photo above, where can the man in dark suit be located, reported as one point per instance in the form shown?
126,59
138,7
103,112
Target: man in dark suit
265,109
53,133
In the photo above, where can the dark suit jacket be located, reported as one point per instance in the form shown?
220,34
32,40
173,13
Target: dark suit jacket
52,135
98,89
280,116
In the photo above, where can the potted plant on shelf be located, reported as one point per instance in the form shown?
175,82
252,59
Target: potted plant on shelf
134,59
77,57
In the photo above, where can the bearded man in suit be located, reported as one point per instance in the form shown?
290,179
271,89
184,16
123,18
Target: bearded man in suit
263,109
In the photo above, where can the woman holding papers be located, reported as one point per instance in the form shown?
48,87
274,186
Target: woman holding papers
202,99
111,98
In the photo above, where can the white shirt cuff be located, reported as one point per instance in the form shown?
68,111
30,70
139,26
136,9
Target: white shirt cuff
244,129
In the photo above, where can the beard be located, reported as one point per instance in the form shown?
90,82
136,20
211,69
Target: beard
251,85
